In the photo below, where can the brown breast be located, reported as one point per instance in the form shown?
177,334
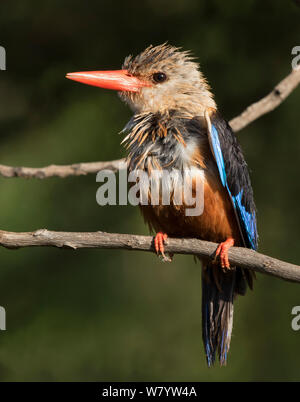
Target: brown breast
217,221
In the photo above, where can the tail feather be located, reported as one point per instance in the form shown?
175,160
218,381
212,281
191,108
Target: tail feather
218,289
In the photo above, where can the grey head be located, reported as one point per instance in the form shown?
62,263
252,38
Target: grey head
174,79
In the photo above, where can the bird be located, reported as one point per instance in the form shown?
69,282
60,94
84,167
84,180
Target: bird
176,126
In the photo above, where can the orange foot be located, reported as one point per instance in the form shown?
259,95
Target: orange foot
222,251
159,241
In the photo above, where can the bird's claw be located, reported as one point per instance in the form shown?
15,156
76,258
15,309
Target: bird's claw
166,257
222,253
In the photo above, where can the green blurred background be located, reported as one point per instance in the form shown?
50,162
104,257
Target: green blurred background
124,316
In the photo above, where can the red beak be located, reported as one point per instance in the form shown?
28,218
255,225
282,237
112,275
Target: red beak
119,80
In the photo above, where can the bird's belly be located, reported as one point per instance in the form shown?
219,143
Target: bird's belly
216,223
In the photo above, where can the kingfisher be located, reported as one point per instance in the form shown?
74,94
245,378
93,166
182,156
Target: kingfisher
176,126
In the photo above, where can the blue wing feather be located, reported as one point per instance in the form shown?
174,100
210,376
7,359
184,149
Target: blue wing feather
218,154
247,219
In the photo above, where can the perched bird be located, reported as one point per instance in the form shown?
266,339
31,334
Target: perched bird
176,126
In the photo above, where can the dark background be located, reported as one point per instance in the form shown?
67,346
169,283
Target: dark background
125,316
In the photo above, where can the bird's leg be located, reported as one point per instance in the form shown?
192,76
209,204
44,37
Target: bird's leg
159,241
222,252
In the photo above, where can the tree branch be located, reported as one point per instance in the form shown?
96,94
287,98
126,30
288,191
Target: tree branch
253,112
238,256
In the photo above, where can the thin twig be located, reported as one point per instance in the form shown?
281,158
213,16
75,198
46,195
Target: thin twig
253,112
238,256
76,169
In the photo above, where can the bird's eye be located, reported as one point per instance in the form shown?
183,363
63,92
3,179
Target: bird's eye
159,77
